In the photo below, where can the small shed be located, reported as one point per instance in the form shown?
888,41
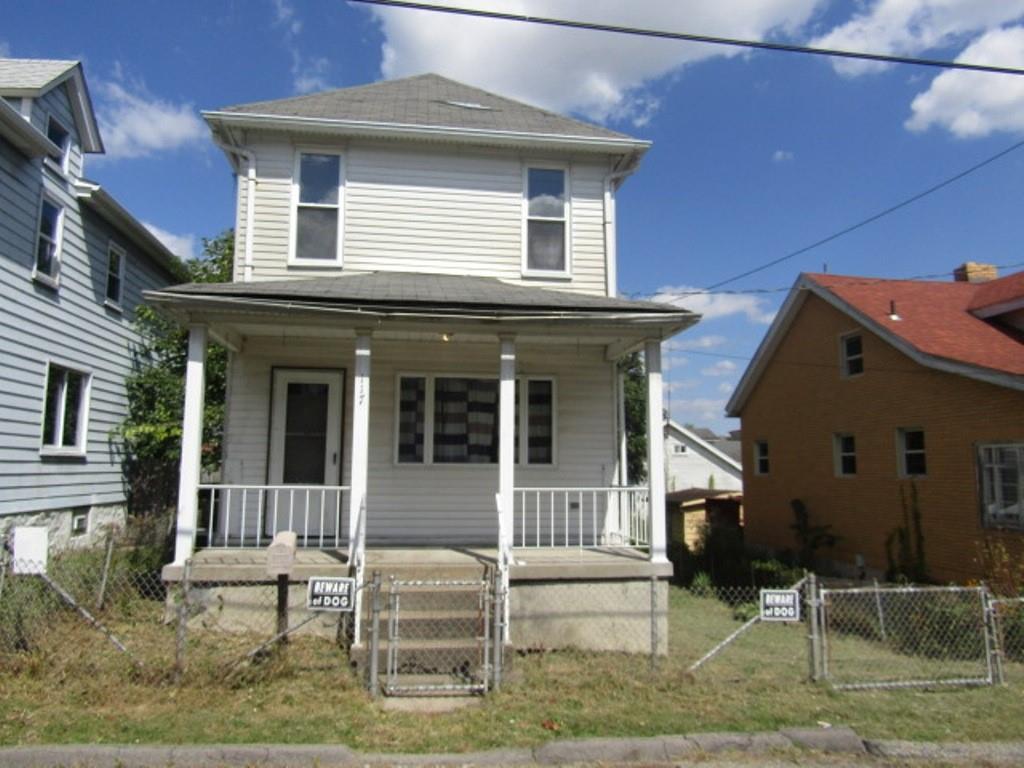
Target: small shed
688,510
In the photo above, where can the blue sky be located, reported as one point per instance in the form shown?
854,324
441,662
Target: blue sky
755,154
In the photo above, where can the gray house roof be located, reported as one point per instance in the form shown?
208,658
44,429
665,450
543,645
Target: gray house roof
31,75
427,100
436,292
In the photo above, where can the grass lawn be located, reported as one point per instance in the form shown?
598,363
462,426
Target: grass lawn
82,692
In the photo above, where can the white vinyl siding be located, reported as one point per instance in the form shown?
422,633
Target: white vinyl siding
438,503
71,328
427,209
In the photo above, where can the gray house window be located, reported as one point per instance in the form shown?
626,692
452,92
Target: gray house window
115,274
60,136
66,410
48,241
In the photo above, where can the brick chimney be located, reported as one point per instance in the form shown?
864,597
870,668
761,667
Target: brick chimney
973,272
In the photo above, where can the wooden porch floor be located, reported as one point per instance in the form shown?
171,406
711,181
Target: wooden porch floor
549,564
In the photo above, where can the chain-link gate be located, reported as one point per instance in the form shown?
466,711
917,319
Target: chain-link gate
435,637
1008,630
903,637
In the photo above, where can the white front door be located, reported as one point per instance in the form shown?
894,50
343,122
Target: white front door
305,454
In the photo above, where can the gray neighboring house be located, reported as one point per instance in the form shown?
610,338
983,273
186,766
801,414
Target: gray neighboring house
73,266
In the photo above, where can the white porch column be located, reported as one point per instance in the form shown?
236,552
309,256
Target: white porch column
191,445
360,443
655,452
506,438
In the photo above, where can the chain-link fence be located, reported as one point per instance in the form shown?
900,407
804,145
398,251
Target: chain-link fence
1008,627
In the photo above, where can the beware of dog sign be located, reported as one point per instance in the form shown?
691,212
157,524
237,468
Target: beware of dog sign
780,605
330,593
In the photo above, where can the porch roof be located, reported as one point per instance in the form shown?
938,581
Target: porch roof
401,296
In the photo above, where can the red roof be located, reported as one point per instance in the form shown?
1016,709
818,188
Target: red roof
935,317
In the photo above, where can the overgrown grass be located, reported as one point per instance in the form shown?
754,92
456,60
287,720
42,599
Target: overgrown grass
74,688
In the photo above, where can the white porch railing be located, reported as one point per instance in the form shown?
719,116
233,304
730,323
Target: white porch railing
581,517
251,515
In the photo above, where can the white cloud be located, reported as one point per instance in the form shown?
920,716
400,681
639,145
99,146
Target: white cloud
309,73
972,104
5,49
135,123
715,305
183,246
909,27
720,368
681,385
709,341
726,387
781,156
674,361
600,75
698,409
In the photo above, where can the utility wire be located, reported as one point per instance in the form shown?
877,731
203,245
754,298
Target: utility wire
693,38
870,219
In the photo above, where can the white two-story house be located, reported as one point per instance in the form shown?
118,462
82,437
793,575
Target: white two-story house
73,266
424,335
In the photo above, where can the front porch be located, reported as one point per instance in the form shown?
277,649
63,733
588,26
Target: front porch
454,418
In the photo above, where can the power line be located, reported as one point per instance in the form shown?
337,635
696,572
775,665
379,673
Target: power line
694,38
870,219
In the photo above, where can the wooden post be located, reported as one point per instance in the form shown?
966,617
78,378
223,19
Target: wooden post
191,445
282,607
101,596
655,453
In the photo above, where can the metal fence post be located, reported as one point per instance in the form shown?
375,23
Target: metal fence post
881,613
375,635
101,595
181,637
993,640
497,637
654,623
813,641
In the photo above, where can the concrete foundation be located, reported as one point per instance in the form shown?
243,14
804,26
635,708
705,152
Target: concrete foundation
99,520
589,615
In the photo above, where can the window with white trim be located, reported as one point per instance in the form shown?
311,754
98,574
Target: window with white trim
116,258
844,448
761,463
546,228
455,420
48,241
913,461
60,136
1001,469
317,209
852,354
65,411
678,448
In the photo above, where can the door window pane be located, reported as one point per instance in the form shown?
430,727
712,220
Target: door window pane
305,438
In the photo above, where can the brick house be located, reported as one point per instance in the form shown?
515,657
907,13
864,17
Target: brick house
866,392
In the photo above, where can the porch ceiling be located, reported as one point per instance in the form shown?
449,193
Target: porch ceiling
406,305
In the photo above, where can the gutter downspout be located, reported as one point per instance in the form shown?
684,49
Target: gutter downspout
626,167
250,202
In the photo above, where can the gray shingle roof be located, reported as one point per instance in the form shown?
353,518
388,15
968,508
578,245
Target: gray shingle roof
31,74
437,292
427,100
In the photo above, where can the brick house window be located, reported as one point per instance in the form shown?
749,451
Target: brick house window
851,354
912,452
1002,493
761,462
844,448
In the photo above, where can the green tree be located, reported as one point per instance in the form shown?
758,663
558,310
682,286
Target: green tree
635,388
150,436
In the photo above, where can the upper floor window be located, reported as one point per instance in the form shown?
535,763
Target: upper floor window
317,194
454,420
65,414
116,258
48,241
678,448
761,462
845,451
60,136
546,225
852,354
1001,468
912,454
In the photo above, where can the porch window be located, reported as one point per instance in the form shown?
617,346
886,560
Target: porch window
65,411
546,226
460,414
1002,493
317,202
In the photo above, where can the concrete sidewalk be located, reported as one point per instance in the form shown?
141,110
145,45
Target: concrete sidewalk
808,746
